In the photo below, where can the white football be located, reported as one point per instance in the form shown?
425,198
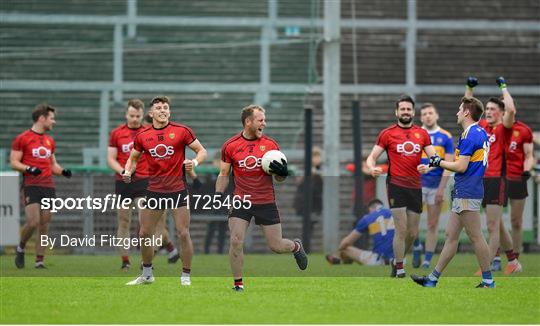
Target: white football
270,156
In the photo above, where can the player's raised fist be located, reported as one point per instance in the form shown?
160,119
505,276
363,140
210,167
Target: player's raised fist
501,82
279,169
33,170
435,161
472,82
376,171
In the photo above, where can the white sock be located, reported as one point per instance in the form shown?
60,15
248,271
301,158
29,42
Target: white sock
184,274
19,249
487,280
147,271
173,253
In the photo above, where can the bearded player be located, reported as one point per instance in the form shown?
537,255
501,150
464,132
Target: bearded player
242,154
165,143
403,143
500,117
32,153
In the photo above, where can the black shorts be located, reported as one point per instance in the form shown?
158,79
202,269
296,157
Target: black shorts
135,189
517,189
495,191
34,194
411,198
265,214
166,200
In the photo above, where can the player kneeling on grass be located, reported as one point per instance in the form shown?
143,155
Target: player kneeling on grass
243,155
380,225
470,165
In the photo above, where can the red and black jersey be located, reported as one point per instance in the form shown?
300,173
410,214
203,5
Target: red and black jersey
498,137
37,150
404,148
245,156
122,139
515,155
165,154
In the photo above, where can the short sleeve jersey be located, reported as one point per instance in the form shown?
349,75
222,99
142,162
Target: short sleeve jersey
380,226
404,149
474,143
122,139
165,153
515,155
498,136
245,156
443,144
37,150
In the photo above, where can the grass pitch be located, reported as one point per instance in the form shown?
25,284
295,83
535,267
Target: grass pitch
94,292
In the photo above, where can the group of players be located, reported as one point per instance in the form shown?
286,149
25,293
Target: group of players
150,162
493,160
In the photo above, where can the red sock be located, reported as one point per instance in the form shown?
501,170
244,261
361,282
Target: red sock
510,255
39,258
169,246
399,265
186,270
238,282
125,259
296,247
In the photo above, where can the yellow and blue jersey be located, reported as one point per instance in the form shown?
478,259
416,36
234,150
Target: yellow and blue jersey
474,143
380,226
443,144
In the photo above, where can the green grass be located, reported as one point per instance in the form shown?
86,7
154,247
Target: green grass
327,294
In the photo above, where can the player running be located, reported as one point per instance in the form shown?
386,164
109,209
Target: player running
469,167
32,154
164,145
498,125
433,183
242,154
519,163
403,143
120,146
380,225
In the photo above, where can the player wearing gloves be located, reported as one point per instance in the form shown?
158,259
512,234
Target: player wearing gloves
243,154
469,166
32,153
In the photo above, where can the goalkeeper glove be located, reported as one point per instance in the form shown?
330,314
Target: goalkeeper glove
435,161
472,82
279,169
501,82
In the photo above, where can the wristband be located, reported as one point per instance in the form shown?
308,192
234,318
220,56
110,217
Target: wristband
195,162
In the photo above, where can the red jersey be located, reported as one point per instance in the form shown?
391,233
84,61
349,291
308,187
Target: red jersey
165,153
245,156
37,150
122,139
404,148
498,136
515,156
